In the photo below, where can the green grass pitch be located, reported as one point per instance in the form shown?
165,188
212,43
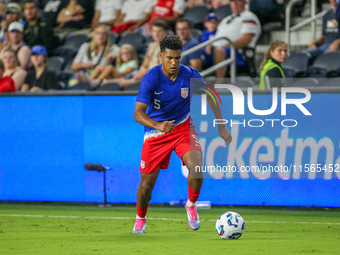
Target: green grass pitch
58,229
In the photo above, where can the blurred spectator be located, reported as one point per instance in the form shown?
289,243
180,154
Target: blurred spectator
6,82
217,3
13,69
134,13
106,12
97,53
192,3
268,10
243,28
184,31
39,78
76,15
52,9
170,10
2,9
159,30
210,23
329,40
271,72
126,62
13,13
17,44
37,31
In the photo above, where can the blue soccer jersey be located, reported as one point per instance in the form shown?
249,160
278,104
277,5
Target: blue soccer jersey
167,99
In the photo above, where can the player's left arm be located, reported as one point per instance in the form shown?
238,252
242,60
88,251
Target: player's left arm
222,129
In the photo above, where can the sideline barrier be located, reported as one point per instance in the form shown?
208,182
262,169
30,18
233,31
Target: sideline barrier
47,137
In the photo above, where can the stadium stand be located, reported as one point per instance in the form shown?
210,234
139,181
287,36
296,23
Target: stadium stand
223,11
134,86
135,39
325,66
305,82
334,82
296,64
114,37
196,15
197,34
55,64
80,86
113,86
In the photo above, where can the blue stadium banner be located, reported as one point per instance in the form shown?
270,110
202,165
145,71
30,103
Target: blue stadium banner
45,141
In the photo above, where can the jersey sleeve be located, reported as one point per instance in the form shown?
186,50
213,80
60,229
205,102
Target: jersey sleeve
147,88
249,24
179,6
197,83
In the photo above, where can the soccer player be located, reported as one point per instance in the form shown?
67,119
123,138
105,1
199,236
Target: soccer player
165,93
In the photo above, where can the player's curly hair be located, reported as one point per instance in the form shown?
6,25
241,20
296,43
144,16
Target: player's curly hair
171,42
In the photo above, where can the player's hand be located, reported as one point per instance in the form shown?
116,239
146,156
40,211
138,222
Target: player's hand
166,126
225,134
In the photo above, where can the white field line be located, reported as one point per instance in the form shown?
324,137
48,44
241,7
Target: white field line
151,218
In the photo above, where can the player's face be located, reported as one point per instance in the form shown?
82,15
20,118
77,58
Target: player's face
170,61
280,53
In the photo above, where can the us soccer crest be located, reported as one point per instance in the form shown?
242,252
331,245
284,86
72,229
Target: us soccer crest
142,164
184,92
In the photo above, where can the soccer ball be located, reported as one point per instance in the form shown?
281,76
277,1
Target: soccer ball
230,225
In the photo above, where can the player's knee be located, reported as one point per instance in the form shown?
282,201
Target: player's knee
147,187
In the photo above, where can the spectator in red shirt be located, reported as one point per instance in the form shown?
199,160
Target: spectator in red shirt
6,83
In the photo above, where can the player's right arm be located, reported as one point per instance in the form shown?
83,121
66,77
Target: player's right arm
142,118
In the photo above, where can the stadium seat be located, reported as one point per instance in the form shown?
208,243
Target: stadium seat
149,40
135,39
197,14
296,65
134,86
332,82
64,77
66,52
114,37
197,34
113,86
325,65
76,40
55,64
305,82
68,65
223,11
